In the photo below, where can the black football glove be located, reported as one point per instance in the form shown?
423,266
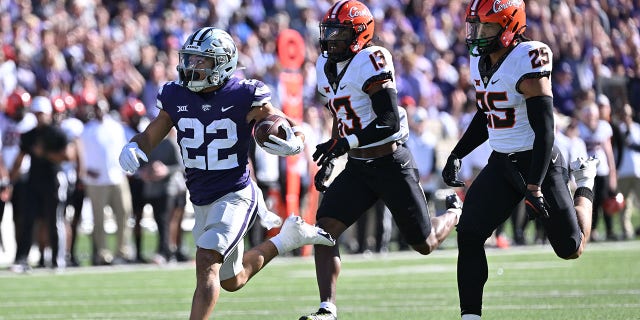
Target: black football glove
329,150
450,172
537,207
322,176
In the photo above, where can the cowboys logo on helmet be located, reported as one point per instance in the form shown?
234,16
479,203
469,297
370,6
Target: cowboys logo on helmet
346,28
494,24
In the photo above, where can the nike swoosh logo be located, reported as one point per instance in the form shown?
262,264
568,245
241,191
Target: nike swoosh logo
342,87
381,127
494,81
553,160
226,108
405,164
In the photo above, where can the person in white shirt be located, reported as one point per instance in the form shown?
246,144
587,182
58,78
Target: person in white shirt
597,134
105,182
629,170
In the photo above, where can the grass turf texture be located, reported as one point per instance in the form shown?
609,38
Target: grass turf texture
524,283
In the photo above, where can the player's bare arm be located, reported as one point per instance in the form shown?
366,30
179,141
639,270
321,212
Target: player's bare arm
533,87
154,133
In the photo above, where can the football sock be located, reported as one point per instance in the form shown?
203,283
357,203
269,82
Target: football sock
470,317
584,192
329,307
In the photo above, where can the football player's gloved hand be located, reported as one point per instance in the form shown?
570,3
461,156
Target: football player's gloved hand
281,147
450,171
129,157
331,149
322,176
536,205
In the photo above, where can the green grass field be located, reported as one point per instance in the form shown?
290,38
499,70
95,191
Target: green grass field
524,283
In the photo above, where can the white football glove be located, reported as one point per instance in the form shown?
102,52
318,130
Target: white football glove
292,145
129,157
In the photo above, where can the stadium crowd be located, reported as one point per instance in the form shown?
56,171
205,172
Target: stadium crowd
95,60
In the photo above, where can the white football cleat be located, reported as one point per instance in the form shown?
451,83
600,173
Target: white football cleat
584,171
295,233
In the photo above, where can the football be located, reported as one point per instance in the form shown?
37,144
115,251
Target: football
270,125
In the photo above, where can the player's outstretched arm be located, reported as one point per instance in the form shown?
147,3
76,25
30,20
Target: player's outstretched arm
142,143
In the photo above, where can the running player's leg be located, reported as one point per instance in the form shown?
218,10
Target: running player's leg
398,183
570,229
347,198
489,202
240,266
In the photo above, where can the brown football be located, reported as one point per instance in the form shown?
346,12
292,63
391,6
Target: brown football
270,125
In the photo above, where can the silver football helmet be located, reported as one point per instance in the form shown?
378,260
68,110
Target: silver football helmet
211,44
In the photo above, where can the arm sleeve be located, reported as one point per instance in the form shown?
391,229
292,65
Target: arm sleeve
387,122
540,113
475,135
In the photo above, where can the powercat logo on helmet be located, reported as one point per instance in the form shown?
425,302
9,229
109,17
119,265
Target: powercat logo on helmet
355,12
499,6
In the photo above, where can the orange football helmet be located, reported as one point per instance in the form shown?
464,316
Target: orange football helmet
494,24
346,28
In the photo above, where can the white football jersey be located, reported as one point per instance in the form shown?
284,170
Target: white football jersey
498,97
348,100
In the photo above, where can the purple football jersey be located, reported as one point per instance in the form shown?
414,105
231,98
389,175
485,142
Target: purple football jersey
213,134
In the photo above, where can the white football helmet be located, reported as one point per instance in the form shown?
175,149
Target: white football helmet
212,43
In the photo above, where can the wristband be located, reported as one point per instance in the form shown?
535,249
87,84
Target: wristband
353,141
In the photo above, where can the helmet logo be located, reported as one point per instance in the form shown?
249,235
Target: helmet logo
499,6
355,12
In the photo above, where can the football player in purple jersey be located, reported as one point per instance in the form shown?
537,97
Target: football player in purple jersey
214,112
511,75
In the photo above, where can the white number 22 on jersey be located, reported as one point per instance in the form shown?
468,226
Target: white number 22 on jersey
212,160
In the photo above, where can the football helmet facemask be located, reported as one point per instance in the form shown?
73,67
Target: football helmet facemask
493,24
207,59
346,28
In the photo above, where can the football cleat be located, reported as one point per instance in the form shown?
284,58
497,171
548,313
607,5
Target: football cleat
584,171
322,314
295,233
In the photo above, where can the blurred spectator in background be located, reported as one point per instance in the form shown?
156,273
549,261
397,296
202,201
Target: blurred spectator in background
163,177
563,91
597,134
106,183
422,144
14,121
48,147
157,77
64,108
629,170
617,143
133,116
